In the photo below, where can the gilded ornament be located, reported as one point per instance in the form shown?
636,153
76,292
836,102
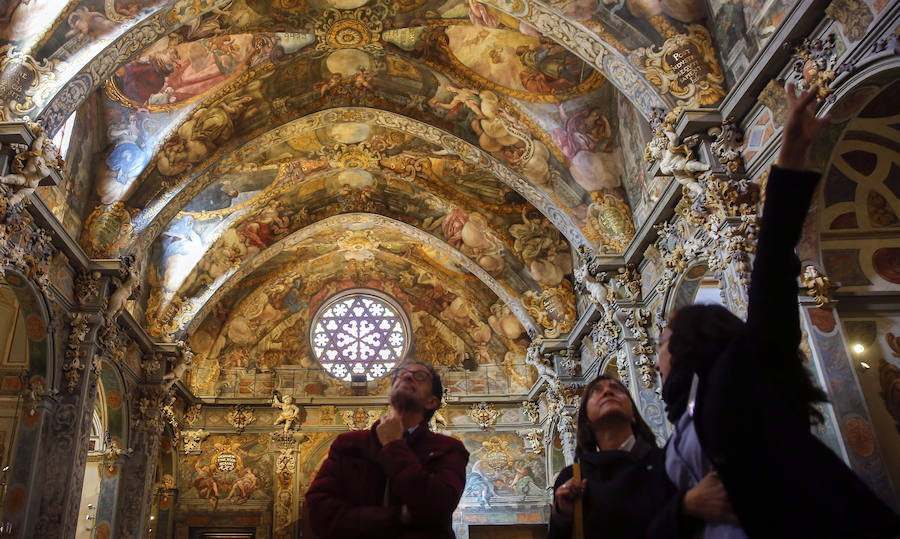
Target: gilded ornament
726,146
74,366
240,417
532,411
533,439
112,452
817,285
496,455
352,156
147,409
192,414
359,28
609,222
24,81
105,227
360,419
814,64
192,440
629,279
484,414
553,308
685,67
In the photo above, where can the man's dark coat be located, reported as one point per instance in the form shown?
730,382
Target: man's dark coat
426,472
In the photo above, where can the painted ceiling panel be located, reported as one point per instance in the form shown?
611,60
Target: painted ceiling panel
260,155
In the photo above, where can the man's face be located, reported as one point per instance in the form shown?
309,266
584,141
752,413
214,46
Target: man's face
412,389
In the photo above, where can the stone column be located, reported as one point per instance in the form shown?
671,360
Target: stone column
285,507
136,486
846,410
636,358
62,456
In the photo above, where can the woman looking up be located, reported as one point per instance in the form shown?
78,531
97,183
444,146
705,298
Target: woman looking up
621,487
739,394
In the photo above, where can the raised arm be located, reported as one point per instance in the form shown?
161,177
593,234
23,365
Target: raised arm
772,316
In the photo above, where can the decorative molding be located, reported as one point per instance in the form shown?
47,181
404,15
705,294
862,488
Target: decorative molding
532,411
360,418
814,64
240,417
484,414
79,327
818,286
533,440
192,440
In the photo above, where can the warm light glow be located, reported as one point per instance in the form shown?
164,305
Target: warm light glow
858,348
865,366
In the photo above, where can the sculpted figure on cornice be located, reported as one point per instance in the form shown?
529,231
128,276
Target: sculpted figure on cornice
32,163
674,157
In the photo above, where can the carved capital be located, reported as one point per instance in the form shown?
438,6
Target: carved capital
818,286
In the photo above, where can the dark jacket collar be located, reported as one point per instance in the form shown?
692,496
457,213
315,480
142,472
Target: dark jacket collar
638,452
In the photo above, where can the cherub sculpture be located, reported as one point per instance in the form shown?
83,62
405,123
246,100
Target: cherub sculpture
290,412
178,369
32,165
675,159
118,298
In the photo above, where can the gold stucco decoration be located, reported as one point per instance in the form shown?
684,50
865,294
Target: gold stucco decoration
484,414
553,309
685,67
352,29
817,285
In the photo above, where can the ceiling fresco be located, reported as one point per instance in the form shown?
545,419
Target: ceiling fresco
258,156
261,322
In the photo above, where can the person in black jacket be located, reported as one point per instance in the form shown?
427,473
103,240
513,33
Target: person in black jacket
747,390
623,483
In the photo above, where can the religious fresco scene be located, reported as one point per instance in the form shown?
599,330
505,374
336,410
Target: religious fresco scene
224,224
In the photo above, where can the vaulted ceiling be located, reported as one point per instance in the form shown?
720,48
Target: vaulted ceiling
258,156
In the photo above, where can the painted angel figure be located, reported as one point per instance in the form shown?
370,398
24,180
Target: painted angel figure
290,412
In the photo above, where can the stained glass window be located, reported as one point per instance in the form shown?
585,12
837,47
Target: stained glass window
359,333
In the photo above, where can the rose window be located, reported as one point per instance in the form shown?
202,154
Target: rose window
359,333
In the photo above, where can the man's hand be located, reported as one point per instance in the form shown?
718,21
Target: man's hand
800,128
390,428
709,502
568,494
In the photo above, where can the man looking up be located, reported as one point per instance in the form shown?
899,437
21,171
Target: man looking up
398,479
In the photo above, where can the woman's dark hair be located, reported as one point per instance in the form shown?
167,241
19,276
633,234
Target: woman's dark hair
586,442
700,333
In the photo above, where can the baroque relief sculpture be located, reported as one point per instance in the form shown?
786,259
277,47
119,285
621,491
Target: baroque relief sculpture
290,412
32,164
674,157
